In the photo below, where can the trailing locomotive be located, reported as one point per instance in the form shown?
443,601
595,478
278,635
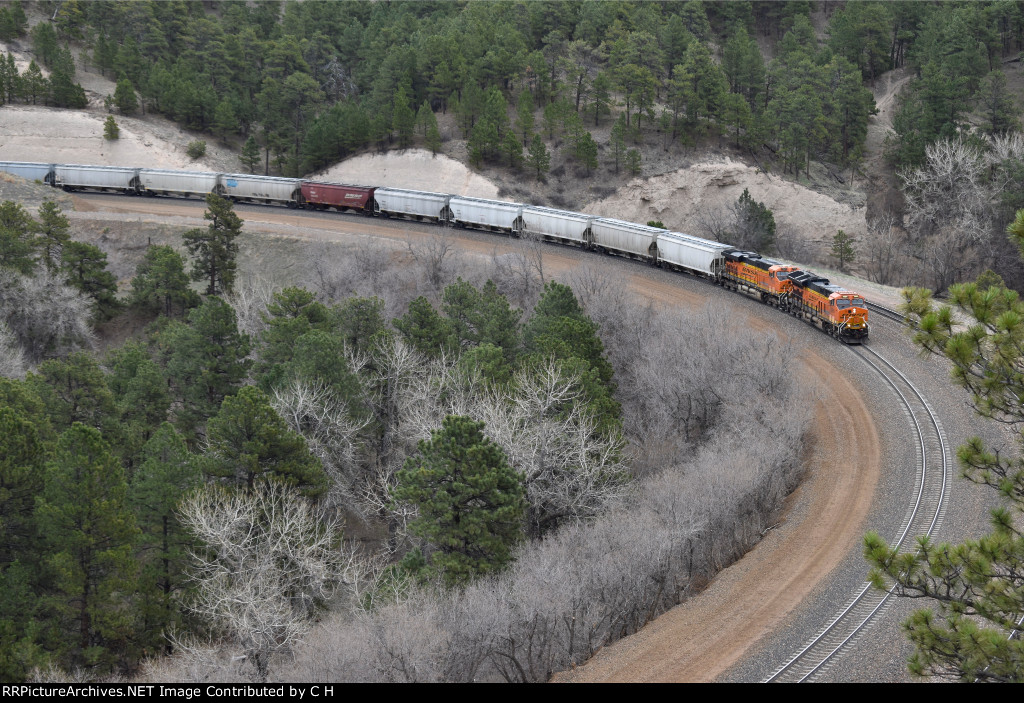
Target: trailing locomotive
838,312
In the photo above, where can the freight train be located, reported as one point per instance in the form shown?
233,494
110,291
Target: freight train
836,311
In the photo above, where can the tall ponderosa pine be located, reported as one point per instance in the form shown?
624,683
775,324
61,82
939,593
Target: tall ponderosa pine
206,360
165,476
53,233
89,532
471,503
215,249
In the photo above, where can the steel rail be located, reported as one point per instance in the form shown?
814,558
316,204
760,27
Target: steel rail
868,602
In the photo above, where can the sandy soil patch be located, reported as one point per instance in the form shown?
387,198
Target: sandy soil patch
414,169
35,133
679,198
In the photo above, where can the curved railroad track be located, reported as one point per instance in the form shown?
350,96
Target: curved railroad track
885,312
914,402
923,517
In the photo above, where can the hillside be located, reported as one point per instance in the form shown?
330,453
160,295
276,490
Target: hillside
685,186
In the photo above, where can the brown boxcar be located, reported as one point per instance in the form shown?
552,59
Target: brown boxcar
320,196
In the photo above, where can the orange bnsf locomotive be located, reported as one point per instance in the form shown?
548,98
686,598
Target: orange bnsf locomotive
838,312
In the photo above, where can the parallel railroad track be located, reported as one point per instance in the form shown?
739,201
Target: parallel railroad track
888,313
923,517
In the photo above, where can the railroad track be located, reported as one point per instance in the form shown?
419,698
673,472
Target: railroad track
885,312
924,514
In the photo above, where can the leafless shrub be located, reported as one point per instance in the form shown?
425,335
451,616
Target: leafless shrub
437,255
269,562
249,299
374,260
886,257
313,410
519,274
793,247
948,193
12,358
47,317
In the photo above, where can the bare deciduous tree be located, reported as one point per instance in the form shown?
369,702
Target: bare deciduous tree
12,358
885,258
948,193
437,255
569,469
316,412
250,298
519,274
48,317
270,561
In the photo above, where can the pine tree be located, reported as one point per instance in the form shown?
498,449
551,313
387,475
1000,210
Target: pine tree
403,120
425,120
524,115
756,224
89,532
250,154
633,162
111,131
433,138
976,586
74,389
513,148
124,96
33,84
249,442
17,238
470,502
161,284
586,152
206,360
141,395
600,97
842,249
424,329
215,249
537,158
166,475
617,143
21,481
53,233
85,266
225,120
